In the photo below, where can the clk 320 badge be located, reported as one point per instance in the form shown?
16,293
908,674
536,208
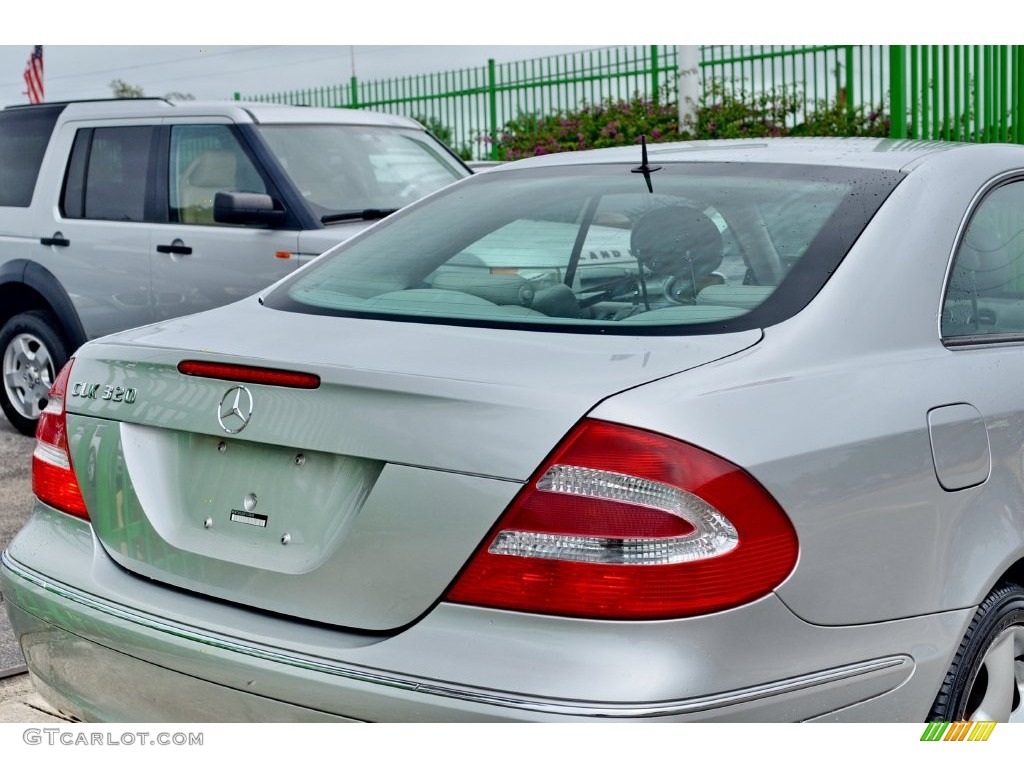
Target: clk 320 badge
103,392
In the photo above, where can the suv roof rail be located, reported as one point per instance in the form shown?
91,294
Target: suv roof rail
85,101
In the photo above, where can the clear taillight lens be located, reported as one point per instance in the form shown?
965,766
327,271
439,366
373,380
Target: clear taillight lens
621,523
53,477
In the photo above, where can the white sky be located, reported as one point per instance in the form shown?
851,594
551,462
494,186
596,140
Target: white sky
218,71
212,49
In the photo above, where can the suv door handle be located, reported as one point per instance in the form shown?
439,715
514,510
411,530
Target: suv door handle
57,239
176,247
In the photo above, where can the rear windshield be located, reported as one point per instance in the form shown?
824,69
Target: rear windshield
713,248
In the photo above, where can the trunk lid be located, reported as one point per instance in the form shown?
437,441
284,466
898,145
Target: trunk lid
355,503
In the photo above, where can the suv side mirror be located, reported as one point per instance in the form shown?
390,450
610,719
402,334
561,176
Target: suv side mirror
246,208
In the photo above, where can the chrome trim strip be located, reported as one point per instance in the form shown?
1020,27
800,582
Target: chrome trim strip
476,696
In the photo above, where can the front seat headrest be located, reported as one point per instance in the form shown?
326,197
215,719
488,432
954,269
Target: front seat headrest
676,239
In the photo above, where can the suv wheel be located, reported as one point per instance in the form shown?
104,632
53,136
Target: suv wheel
33,353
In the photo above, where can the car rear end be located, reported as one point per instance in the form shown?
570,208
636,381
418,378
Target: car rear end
369,495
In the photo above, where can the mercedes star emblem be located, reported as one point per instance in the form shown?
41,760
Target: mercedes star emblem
235,410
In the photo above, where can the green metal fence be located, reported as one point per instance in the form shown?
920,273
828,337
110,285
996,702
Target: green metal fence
972,93
811,77
473,104
958,92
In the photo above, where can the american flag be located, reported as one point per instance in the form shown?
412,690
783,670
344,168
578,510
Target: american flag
34,76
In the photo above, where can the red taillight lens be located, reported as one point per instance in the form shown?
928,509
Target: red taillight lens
53,477
620,523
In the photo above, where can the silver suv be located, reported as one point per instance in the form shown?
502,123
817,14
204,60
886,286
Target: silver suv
114,214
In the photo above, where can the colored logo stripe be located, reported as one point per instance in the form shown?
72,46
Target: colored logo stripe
958,731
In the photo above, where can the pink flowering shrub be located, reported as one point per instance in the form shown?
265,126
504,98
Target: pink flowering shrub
609,124
722,114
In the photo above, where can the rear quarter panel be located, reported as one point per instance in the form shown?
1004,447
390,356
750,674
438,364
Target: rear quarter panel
830,413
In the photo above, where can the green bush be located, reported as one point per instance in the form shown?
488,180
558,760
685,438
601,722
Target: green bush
835,119
724,114
609,124
444,134
721,114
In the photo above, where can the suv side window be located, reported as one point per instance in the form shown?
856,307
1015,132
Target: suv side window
985,295
205,160
108,174
24,134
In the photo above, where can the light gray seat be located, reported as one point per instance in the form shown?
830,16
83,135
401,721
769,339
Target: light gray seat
212,172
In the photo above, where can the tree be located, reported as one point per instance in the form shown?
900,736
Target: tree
444,134
123,90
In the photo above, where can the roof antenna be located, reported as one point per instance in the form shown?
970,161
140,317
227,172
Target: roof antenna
644,168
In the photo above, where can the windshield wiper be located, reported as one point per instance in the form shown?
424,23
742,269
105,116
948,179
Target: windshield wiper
367,214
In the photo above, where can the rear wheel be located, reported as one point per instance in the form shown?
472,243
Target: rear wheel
33,352
986,678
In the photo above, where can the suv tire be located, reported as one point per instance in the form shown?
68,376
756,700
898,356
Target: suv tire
32,352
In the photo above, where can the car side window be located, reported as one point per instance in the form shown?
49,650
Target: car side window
985,295
108,174
205,160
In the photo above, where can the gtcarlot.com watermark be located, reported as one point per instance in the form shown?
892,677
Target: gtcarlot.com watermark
63,737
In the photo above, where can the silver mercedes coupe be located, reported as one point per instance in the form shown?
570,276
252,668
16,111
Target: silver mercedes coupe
704,431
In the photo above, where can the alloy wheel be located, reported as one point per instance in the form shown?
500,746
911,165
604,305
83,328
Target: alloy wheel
997,690
28,373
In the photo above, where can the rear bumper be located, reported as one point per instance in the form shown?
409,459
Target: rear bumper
119,648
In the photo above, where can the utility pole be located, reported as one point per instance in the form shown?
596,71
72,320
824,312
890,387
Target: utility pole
689,90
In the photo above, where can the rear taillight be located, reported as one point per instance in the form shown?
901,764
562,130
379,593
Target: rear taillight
53,477
620,523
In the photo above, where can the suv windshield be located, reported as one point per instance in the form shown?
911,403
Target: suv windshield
714,247
345,169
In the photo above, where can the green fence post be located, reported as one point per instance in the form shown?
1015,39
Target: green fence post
238,96
849,83
1004,96
1018,98
354,92
946,78
898,84
492,105
654,74
1014,104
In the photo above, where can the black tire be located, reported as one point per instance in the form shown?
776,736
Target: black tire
32,352
985,680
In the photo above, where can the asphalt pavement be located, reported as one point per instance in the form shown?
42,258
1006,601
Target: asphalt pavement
15,480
